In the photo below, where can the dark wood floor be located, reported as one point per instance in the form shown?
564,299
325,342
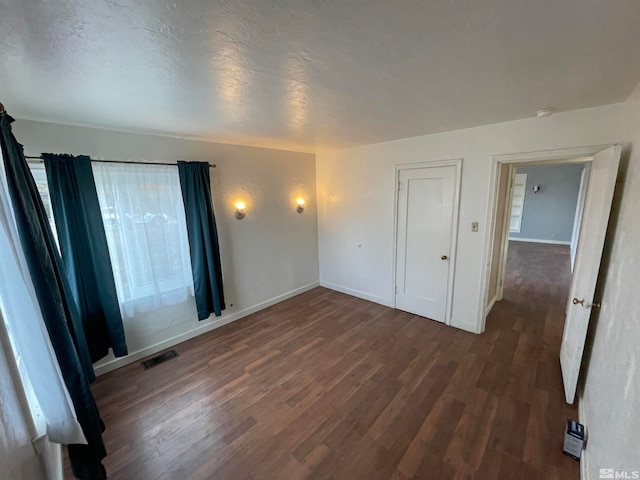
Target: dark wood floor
329,386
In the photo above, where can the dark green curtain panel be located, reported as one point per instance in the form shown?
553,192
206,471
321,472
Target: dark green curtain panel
58,308
203,238
85,254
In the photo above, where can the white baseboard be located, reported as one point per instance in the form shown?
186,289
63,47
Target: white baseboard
204,327
356,293
466,326
537,240
469,327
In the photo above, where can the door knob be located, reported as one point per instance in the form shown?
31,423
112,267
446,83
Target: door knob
578,302
443,257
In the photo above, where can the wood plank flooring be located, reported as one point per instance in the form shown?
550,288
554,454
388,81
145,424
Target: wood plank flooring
325,385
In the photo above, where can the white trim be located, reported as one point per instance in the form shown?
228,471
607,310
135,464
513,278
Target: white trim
504,244
429,163
204,327
570,155
356,293
457,181
539,240
466,326
490,221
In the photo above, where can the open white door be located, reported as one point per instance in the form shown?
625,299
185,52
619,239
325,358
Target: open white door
602,180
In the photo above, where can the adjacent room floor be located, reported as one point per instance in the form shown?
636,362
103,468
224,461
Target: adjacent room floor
325,385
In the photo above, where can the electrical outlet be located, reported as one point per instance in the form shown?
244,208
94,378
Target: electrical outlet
474,226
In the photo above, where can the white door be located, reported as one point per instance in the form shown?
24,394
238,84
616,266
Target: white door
602,180
424,231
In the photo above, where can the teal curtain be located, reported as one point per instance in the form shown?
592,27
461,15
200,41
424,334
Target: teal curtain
85,254
203,238
58,308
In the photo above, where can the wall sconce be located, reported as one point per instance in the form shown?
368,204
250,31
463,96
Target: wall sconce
536,188
241,210
300,207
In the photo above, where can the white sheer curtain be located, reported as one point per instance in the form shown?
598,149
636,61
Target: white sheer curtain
24,334
144,219
17,456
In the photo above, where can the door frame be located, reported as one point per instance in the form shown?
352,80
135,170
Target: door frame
457,180
577,220
513,160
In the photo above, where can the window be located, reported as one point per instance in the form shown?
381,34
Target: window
144,220
40,176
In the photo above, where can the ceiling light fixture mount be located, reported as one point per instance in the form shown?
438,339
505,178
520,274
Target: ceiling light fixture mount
546,112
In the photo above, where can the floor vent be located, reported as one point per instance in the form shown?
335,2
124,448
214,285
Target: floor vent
158,359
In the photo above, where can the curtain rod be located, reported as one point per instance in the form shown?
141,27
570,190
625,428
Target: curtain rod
121,161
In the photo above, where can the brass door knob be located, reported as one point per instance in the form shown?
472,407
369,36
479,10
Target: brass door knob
443,257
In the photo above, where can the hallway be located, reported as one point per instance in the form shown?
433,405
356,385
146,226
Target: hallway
536,286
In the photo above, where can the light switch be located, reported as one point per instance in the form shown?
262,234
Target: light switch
474,226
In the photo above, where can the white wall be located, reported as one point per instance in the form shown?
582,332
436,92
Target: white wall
549,214
610,402
356,189
268,256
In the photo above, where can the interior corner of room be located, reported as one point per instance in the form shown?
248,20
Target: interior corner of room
397,232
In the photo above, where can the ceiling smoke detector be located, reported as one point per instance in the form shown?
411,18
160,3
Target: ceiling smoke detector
546,112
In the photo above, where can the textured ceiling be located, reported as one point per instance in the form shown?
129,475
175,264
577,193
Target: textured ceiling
312,74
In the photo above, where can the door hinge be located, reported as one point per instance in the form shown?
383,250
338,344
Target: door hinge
396,288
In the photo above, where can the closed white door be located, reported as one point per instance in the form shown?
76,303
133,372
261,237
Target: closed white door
593,228
424,230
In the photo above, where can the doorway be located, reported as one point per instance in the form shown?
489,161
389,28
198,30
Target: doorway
594,216
425,237
540,202
546,209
